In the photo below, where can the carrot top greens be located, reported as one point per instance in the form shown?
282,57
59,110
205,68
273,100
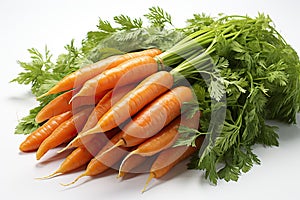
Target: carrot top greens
241,69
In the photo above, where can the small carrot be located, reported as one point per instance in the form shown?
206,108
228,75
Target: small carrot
153,118
130,71
81,155
34,139
77,78
101,163
164,139
61,104
135,100
168,158
101,108
64,132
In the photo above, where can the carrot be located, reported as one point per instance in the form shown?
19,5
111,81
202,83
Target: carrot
61,104
164,139
168,158
152,118
101,108
82,154
64,132
101,163
106,103
34,139
77,78
130,71
135,100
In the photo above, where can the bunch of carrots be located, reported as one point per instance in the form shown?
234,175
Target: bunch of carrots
119,112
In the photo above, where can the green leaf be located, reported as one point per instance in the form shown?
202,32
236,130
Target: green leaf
158,17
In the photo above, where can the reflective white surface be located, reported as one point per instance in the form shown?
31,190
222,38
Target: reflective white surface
33,23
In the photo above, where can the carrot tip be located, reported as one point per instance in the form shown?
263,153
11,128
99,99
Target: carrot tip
122,172
74,181
150,177
49,176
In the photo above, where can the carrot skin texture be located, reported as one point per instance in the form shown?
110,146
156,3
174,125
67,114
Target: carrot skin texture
130,104
101,108
34,140
105,104
166,137
77,78
61,104
58,105
82,154
63,133
156,116
168,158
130,71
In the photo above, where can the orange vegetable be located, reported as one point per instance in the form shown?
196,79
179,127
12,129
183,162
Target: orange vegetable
101,108
64,132
154,117
77,78
168,158
164,139
34,139
61,104
101,163
150,88
130,71
82,154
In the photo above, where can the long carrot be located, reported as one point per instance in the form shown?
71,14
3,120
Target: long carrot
61,104
101,108
34,139
100,164
135,100
77,78
164,139
82,154
168,158
130,71
64,132
153,118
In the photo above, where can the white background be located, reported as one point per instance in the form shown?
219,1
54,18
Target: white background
33,23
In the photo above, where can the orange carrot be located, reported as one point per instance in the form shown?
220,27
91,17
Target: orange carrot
101,163
168,158
152,118
164,139
61,104
64,132
77,78
101,108
34,140
130,71
135,100
82,154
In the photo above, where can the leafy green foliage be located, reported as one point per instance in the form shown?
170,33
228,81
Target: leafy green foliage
260,81
241,70
158,17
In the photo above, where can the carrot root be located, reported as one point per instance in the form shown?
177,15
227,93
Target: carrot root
122,163
54,174
74,181
150,177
